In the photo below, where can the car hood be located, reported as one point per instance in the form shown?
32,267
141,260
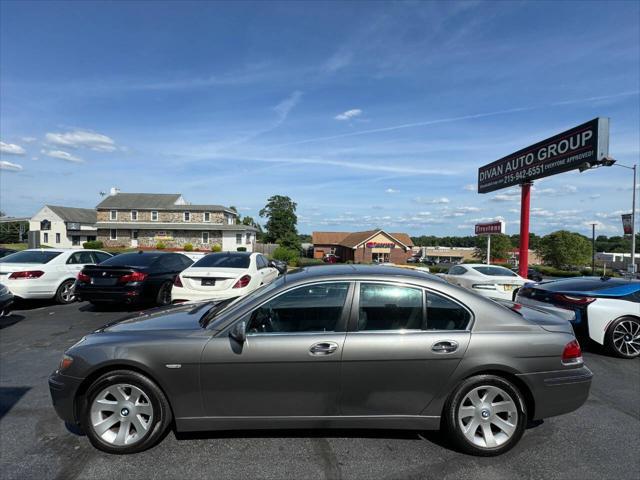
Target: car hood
185,316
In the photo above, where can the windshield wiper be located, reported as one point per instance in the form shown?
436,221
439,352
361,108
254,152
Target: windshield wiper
213,311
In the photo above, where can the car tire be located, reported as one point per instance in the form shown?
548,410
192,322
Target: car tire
125,413
623,337
64,294
164,294
485,416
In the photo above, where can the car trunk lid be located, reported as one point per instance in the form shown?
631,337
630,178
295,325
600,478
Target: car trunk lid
108,275
209,280
550,318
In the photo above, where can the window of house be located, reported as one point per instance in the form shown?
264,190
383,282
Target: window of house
247,239
390,307
113,234
207,216
186,216
231,220
310,308
445,314
205,237
91,238
57,238
134,215
154,216
75,240
45,237
238,238
113,215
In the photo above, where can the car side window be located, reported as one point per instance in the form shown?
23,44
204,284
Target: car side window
81,258
174,263
390,307
261,262
457,271
100,257
445,314
310,308
185,261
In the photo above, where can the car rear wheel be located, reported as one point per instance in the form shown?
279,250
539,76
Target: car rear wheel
623,337
126,413
65,294
485,416
164,294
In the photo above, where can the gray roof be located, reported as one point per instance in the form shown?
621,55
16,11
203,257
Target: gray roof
154,201
72,214
176,226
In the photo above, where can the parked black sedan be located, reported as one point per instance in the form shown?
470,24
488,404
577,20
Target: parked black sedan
532,274
139,277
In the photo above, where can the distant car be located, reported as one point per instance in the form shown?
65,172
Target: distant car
6,299
6,251
279,265
606,310
223,275
490,281
413,259
330,258
46,273
132,278
532,274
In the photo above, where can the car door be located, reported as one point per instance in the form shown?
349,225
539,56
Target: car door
402,345
289,364
268,273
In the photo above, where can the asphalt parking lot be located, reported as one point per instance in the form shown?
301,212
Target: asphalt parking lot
599,441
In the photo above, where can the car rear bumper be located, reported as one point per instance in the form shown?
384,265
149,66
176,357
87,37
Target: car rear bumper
63,391
187,294
29,289
122,295
558,392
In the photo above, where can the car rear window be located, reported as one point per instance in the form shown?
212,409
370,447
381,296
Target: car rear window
223,260
30,256
495,271
132,260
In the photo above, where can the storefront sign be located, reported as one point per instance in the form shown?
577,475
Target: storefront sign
380,245
490,228
627,224
586,143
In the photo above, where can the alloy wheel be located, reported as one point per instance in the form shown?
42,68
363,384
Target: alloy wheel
66,294
626,337
121,414
488,416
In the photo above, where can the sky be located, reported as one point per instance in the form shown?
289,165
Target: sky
367,114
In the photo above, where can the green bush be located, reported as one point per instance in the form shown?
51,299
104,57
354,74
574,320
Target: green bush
216,247
242,249
92,244
160,246
556,272
307,262
436,269
286,255
188,247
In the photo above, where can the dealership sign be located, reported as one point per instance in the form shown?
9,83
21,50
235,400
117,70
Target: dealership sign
627,223
490,228
380,245
586,143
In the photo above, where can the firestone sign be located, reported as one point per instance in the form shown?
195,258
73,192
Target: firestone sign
566,151
490,228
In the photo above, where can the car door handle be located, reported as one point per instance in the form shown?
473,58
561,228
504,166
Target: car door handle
446,346
323,348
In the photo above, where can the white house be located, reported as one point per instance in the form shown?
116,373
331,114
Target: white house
64,227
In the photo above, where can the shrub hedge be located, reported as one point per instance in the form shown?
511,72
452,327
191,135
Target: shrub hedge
93,244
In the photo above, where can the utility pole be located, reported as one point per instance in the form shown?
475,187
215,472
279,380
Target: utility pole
633,224
593,249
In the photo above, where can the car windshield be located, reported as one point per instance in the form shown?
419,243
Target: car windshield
223,260
30,256
495,271
132,260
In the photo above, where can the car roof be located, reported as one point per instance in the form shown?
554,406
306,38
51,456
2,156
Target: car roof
348,270
591,285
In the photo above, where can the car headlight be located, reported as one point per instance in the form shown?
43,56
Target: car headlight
65,362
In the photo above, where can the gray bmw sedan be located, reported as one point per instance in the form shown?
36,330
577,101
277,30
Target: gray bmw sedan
344,346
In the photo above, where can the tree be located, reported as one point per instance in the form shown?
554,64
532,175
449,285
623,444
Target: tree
500,247
564,248
280,212
290,241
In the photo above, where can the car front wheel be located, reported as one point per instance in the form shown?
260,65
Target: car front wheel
126,413
623,337
485,416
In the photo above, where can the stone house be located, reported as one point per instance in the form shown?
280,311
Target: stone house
146,219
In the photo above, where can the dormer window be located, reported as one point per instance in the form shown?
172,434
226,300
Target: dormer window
186,216
207,216
134,215
113,215
154,216
230,220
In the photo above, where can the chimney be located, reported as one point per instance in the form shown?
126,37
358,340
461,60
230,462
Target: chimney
114,191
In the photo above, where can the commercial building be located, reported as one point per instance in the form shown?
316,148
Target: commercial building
363,247
64,227
147,219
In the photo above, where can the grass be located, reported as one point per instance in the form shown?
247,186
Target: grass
14,246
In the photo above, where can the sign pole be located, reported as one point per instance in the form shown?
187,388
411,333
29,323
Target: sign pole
633,223
525,202
488,249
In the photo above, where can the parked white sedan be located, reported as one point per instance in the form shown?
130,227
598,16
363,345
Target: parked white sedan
46,273
487,280
218,276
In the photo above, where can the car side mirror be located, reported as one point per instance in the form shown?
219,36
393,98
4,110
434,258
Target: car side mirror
239,332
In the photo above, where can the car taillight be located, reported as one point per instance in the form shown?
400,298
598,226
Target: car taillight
572,353
573,300
177,282
242,281
133,277
27,274
83,277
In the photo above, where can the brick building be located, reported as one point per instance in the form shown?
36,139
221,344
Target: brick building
146,219
363,247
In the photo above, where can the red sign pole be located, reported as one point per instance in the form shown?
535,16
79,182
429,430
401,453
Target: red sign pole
523,268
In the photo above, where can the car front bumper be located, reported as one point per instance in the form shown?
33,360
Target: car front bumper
63,389
558,392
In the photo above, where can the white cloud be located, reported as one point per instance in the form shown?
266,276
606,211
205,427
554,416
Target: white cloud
470,187
435,201
28,139
284,107
390,190
467,209
349,114
555,192
504,197
10,167
594,196
82,139
11,149
61,155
